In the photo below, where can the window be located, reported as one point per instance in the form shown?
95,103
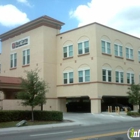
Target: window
130,78
129,53
83,47
106,47
68,51
119,77
139,55
13,62
84,75
68,77
118,50
106,75
26,57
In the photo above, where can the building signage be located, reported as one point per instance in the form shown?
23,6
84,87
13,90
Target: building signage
20,43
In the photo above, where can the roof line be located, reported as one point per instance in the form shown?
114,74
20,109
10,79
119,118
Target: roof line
100,25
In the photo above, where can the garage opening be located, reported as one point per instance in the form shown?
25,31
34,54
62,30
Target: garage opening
121,101
78,104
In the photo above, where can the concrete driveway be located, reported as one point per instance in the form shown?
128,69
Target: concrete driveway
93,119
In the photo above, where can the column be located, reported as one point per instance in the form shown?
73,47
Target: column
95,105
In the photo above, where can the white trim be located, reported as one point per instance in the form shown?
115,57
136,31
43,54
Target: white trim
85,68
82,41
67,51
83,47
67,71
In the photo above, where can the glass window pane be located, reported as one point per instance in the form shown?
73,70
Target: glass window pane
103,46
65,52
86,45
108,48
128,78
15,60
80,51
87,75
109,76
65,78
121,75
71,77
132,78
127,53
70,51
11,64
121,52
28,56
116,50
131,53
80,76
104,75
117,76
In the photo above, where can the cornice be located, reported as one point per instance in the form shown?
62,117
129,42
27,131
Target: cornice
42,21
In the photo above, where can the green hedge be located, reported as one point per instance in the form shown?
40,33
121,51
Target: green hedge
135,114
6,116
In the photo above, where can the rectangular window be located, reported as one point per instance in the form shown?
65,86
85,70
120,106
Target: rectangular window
68,51
106,47
26,57
84,75
119,77
130,78
129,53
13,61
83,47
68,77
106,75
118,50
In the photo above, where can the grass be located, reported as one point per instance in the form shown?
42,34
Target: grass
29,123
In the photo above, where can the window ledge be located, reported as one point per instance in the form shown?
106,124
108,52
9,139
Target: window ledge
26,65
129,59
13,68
107,54
67,58
119,57
79,55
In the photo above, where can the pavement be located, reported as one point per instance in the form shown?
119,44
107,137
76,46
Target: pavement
77,119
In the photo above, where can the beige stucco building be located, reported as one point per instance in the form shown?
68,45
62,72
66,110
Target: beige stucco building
92,61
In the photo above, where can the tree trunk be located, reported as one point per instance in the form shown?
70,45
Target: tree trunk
32,114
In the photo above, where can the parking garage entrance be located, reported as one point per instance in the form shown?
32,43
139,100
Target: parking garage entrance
121,101
78,104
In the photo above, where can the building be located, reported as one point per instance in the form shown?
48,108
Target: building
94,62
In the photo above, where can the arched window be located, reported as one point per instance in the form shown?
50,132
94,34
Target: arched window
68,76
130,77
106,73
119,74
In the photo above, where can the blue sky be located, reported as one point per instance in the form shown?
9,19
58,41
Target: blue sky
123,15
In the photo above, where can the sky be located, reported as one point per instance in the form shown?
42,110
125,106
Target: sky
123,15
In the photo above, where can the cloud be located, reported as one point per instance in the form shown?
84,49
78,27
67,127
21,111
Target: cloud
123,15
24,2
11,16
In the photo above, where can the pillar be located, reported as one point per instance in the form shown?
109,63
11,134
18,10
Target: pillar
95,105
61,104
135,107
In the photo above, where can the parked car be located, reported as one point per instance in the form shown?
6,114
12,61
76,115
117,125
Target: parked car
122,107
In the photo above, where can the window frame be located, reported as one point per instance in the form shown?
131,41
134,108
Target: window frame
118,49
129,53
83,70
130,77
83,47
139,55
68,51
68,77
13,60
26,57
106,75
120,79
106,47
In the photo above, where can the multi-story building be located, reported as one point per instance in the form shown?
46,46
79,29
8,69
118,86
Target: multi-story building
92,61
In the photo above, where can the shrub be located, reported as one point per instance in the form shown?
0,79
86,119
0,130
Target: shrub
6,116
135,114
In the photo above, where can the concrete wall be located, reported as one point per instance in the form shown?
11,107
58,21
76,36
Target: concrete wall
16,105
